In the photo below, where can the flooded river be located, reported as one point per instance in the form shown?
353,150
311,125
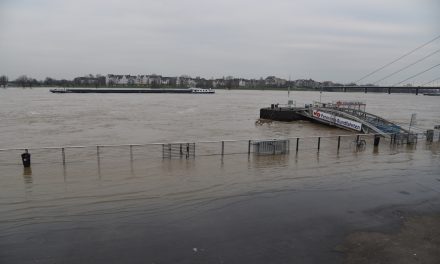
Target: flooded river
240,208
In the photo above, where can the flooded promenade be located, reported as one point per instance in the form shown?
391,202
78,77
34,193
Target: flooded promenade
295,208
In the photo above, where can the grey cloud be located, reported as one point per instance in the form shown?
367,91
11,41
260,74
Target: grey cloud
210,38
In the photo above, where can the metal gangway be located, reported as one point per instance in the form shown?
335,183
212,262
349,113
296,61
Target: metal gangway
355,111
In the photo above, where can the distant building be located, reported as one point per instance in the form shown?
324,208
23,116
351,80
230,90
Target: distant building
272,81
90,80
307,83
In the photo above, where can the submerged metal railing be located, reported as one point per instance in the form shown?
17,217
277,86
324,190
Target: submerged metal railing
282,146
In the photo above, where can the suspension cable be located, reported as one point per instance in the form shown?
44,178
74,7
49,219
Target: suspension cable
406,67
401,57
438,78
415,75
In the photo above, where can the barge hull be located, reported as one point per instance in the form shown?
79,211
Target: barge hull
122,91
281,114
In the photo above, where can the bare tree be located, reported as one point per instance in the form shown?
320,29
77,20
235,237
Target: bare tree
3,80
22,80
49,81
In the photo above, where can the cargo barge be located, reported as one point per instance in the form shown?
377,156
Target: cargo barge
134,90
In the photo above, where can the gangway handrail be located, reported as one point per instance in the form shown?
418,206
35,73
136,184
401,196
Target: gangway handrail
340,112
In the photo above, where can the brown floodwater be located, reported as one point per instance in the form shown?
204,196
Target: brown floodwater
239,208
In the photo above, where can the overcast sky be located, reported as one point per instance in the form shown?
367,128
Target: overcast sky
339,40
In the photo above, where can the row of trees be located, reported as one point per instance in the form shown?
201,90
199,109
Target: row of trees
25,81
3,80
22,80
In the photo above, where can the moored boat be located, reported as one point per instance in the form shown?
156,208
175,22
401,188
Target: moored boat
202,90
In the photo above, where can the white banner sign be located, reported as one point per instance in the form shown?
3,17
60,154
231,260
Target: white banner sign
338,120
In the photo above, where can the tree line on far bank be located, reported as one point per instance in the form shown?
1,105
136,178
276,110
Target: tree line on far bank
229,83
25,81
170,82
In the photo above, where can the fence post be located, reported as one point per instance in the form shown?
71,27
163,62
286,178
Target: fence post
249,147
339,142
274,147
63,154
319,143
169,149
131,152
97,151
376,140
297,144
223,148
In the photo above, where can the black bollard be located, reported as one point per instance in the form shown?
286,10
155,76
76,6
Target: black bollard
26,158
376,140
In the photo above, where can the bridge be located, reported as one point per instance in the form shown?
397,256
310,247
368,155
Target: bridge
382,89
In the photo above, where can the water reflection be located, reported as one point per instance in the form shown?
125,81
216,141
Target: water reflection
99,161
64,172
27,177
27,172
267,161
375,150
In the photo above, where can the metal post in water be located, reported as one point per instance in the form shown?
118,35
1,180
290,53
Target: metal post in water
319,143
26,158
131,152
99,162
393,138
376,140
223,148
339,142
169,148
297,144
274,147
63,155
249,147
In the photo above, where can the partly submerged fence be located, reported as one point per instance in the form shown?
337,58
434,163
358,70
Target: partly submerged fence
186,150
